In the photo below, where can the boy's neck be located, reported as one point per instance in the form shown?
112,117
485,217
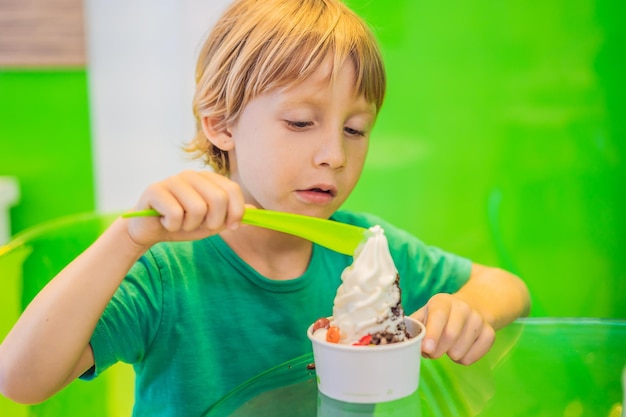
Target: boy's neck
274,255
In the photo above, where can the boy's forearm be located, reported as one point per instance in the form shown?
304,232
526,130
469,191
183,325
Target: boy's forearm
498,295
42,350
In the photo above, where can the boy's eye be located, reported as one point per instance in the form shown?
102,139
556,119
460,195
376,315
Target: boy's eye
354,132
298,124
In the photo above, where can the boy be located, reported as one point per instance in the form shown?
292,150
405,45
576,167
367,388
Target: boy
287,95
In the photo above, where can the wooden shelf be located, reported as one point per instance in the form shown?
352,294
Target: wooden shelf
42,33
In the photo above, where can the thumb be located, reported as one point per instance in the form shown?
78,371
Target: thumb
421,314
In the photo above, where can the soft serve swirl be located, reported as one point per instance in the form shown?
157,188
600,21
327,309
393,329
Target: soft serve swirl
368,293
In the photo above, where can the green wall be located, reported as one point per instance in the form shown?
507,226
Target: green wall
503,139
45,142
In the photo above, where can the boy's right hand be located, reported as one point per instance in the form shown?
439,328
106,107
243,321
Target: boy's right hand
193,205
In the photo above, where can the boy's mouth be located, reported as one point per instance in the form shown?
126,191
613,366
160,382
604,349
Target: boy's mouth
326,190
321,189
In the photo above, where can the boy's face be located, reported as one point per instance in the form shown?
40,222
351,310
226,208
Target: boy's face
301,149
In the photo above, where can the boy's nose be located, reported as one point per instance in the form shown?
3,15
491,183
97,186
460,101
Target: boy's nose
331,151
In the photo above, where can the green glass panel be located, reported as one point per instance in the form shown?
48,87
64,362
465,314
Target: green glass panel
27,263
537,367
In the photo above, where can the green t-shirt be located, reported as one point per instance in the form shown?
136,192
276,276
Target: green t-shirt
195,320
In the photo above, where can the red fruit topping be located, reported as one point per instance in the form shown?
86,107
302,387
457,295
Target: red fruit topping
364,341
333,334
322,323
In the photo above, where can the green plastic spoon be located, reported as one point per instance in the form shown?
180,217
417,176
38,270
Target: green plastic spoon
340,237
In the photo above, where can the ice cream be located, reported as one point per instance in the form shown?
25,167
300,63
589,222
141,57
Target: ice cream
367,308
351,364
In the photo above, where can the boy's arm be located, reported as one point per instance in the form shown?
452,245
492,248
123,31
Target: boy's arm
499,296
463,324
49,345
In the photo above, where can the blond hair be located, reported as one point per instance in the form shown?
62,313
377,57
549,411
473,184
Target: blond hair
259,45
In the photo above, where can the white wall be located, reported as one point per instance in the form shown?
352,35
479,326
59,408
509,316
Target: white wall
141,62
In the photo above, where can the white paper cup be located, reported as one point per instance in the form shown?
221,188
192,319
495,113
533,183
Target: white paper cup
369,374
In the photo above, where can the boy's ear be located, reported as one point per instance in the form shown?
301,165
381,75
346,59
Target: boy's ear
219,136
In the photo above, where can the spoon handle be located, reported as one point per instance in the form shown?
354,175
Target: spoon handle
340,237
141,213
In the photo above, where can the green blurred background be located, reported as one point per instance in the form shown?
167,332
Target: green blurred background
45,143
502,139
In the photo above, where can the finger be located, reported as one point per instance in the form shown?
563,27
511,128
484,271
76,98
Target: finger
436,319
205,199
481,346
193,204
158,196
230,200
454,328
467,337
420,315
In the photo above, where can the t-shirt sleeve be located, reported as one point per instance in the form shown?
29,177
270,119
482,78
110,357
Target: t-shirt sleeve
130,320
425,270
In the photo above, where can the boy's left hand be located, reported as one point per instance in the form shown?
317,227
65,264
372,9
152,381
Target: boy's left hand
454,327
